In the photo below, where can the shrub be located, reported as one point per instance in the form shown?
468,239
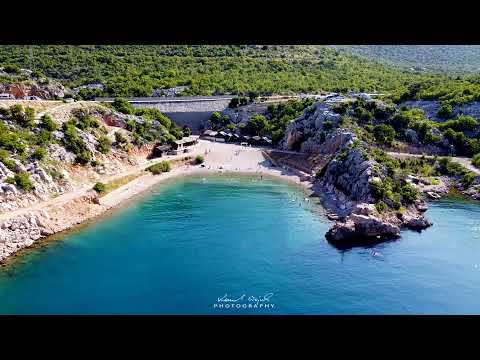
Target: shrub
377,189
104,145
476,160
445,111
381,206
199,159
363,115
119,138
5,112
340,108
327,125
468,179
76,145
25,118
23,181
10,180
461,123
100,187
83,157
84,121
6,161
384,133
159,168
47,123
39,153
10,140
11,69
257,125
44,137
409,193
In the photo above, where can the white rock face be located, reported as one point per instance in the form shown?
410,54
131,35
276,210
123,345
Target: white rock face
308,127
22,231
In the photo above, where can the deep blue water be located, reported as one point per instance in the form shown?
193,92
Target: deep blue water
191,241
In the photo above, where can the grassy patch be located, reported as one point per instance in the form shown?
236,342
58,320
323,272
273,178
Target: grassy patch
103,189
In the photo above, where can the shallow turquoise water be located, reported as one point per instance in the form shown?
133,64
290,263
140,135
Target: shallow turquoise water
194,240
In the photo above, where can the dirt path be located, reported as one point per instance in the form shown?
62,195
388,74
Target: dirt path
65,198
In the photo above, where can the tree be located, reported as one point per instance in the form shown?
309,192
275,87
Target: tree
384,133
445,111
215,119
225,120
234,103
257,125
25,118
186,131
123,106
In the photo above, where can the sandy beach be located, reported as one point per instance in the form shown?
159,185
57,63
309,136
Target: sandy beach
219,158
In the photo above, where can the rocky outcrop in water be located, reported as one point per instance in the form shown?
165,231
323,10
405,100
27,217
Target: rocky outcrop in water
344,187
362,227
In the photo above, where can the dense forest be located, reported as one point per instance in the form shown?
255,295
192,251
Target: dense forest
136,70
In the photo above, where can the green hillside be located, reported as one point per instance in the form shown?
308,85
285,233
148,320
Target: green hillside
448,58
136,70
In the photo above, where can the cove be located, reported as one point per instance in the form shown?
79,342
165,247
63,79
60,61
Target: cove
197,242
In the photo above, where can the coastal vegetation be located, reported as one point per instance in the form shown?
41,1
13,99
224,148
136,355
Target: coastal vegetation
100,187
476,161
199,159
22,181
399,169
160,167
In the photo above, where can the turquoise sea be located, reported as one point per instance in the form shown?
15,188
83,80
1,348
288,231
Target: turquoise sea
233,245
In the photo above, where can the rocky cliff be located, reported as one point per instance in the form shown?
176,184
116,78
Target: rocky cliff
307,133
345,187
47,91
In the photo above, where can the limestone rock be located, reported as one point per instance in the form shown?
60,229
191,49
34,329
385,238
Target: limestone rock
361,227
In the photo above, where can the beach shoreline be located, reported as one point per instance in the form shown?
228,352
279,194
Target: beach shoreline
219,159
